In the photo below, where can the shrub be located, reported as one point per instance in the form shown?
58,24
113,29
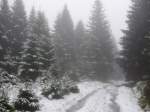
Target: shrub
26,101
54,91
144,101
5,106
74,89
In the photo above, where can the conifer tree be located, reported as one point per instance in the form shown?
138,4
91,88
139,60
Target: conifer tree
136,41
19,33
65,42
6,81
100,48
29,61
80,40
79,37
38,53
5,34
26,101
46,51
5,106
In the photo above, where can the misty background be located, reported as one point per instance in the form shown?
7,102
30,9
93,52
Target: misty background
74,55
115,10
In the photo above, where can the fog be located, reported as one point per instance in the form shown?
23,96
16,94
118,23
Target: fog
74,56
115,10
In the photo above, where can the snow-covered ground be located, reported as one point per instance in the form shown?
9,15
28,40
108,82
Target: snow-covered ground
64,104
127,100
94,97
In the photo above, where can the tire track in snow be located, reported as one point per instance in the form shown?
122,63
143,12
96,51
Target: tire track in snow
115,107
81,102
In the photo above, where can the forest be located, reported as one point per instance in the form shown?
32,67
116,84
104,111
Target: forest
65,67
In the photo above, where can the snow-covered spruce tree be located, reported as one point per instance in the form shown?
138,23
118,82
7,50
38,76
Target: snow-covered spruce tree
100,46
18,33
29,66
38,53
52,84
6,80
65,43
56,86
135,42
5,106
68,85
46,49
53,91
5,34
26,101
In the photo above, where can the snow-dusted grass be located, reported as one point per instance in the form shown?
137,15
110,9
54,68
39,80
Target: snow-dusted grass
127,100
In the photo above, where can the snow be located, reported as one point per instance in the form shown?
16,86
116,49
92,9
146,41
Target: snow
94,97
68,101
99,102
127,100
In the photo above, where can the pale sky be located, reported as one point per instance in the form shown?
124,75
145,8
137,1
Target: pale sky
115,10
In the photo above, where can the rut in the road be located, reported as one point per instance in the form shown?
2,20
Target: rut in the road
81,102
114,106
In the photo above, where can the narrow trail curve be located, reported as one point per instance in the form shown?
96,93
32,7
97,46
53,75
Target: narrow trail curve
81,102
113,106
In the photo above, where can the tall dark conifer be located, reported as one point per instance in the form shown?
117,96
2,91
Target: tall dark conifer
100,52
19,33
5,34
38,53
29,62
136,41
46,49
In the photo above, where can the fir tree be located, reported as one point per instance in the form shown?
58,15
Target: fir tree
5,34
19,33
46,49
26,101
80,40
5,106
136,41
38,53
6,81
29,65
100,48
79,37
65,42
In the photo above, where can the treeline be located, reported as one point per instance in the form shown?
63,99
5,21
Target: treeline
30,50
84,52
135,53
136,48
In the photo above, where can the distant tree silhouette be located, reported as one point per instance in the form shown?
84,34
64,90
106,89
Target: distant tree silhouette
65,42
100,53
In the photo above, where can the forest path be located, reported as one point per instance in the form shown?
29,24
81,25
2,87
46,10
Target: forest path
81,102
95,97
100,100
